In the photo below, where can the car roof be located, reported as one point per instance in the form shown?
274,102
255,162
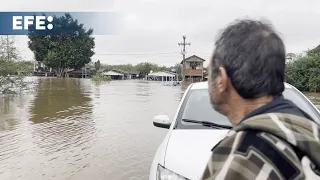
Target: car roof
204,85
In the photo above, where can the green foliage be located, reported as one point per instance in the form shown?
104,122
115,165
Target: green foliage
26,67
178,70
97,66
10,65
39,45
146,67
100,78
314,51
12,85
304,73
7,67
13,67
70,46
143,67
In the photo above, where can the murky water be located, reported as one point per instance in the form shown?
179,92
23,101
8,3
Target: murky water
75,129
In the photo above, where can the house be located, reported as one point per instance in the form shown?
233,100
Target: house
135,75
126,75
117,74
192,68
162,76
79,73
114,75
205,75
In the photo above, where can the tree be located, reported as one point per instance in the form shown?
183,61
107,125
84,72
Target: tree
313,51
9,65
145,67
290,57
9,56
304,72
177,68
67,46
8,50
97,65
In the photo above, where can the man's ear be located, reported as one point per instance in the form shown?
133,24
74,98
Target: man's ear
223,80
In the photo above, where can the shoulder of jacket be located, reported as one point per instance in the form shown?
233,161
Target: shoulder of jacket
255,149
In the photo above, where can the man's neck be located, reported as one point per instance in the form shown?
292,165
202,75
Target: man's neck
240,107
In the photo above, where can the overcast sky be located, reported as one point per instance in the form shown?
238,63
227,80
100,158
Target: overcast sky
153,28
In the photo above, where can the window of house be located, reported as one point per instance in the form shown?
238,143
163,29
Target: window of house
195,65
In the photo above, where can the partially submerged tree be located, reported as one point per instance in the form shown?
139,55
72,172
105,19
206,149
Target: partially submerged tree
9,65
67,46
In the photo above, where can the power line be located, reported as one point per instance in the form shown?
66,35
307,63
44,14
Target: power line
134,54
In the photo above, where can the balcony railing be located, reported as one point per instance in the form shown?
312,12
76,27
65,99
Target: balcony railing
195,72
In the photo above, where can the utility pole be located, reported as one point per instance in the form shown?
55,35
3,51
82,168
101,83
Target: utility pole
183,52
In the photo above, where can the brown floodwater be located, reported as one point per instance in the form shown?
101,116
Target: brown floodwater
79,130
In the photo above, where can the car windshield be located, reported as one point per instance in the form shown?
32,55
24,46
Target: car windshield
197,107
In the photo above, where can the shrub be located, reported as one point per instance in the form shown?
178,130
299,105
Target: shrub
304,73
100,78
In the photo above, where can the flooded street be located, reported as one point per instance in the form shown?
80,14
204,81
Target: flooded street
75,129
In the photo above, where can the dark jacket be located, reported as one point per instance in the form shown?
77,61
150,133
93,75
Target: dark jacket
277,141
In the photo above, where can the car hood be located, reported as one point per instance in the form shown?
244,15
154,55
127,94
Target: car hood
188,151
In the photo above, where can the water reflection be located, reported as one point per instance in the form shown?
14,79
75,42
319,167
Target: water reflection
59,135
143,89
60,99
7,122
12,111
128,140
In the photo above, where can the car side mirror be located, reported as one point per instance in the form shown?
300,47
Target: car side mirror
162,121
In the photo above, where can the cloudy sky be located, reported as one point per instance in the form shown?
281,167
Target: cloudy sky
153,28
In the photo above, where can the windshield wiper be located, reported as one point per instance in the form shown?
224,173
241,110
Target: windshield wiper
207,123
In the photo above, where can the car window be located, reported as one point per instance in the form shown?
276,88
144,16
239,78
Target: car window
301,102
197,106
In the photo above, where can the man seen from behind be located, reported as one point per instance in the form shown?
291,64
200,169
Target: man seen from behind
272,138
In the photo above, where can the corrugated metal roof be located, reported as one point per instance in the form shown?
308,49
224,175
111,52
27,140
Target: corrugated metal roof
112,73
159,74
197,58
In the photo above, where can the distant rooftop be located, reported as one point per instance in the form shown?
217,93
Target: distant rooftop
112,73
161,73
193,56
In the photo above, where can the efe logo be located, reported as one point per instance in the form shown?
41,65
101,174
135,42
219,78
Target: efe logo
23,22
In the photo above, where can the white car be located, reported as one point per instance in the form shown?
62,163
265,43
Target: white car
196,129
